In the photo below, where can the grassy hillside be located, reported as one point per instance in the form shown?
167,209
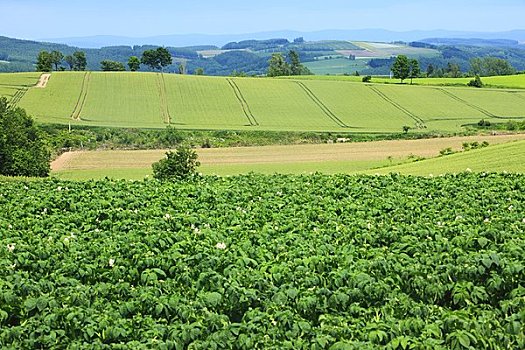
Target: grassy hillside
153,100
506,157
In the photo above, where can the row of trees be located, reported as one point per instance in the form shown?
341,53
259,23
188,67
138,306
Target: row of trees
156,59
47,60
280,65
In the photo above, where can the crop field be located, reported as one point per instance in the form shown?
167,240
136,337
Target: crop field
336,66
204,101
290,159
19,79
57,102
149,100
499,158
273,262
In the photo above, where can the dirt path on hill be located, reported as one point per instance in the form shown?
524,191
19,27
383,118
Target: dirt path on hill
42,83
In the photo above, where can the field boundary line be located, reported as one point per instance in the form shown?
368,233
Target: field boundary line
81,101
459,99
19,94
321,105
245,107
164,108
420,123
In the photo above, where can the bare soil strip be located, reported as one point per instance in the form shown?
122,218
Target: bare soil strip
359,151
42,82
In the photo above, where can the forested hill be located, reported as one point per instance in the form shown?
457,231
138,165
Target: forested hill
251,57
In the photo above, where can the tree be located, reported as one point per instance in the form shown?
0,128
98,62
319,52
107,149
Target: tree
44,62
112,66
80,61
401,67
70,60
157,59
199,71
56,58
22,149
278,66
415,71
180,68
134,63
430,70
453,70
295,63
476,82
179,165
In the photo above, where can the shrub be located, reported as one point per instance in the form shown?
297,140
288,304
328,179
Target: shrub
476,82
22,149
367,79
484,123
179,165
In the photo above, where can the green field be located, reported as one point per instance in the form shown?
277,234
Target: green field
499,158
152,100
336,66
321,262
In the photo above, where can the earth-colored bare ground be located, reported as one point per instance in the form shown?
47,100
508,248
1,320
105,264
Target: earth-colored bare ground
362,151
42,82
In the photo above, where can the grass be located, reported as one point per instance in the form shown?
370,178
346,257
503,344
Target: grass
203,102
313,103
56,102
499,158
326,158
115,99
19,79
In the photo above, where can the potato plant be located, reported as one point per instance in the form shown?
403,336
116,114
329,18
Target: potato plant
264,262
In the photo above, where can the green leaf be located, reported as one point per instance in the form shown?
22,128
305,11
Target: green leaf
464,340
30,304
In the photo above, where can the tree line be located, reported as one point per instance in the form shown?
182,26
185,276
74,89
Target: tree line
156,59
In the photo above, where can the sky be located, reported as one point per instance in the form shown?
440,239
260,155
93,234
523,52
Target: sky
37,19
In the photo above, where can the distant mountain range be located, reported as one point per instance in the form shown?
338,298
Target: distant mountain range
380,35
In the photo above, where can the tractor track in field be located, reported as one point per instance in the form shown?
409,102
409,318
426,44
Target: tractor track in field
82,97
321,105
245,107
517,94
18,96
459,99
420,123
164,109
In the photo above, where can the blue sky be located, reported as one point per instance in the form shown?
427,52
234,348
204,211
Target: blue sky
33,19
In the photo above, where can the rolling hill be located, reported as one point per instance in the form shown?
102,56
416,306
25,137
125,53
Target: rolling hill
154,100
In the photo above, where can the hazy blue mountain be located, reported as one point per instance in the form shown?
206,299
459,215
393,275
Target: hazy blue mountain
381,35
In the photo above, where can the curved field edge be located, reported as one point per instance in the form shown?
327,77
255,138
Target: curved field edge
264,262
498,158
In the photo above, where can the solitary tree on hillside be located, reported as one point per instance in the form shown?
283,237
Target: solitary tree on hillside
56,58
44,62
157,59
401,67
80,62
134,63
